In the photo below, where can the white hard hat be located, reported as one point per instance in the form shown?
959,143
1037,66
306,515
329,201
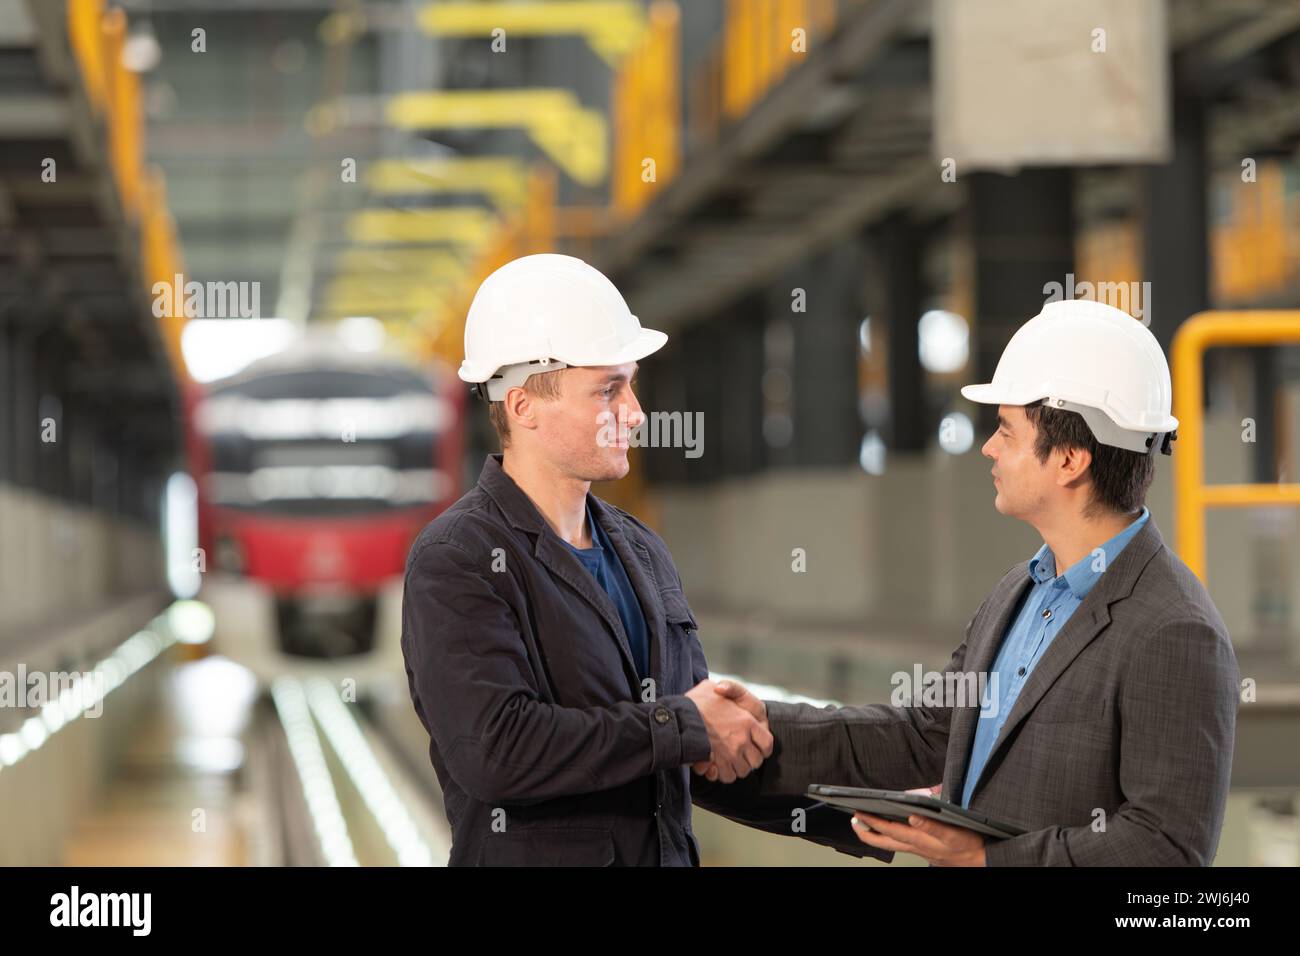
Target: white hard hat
544,312
1088,357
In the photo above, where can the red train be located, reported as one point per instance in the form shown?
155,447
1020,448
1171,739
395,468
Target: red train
316,468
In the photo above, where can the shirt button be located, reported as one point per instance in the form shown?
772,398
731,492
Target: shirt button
662,715
1021,672
1047,614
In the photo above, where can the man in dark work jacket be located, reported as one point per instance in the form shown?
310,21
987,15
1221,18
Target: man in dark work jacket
549,648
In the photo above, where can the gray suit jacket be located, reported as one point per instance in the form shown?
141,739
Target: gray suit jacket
1117,752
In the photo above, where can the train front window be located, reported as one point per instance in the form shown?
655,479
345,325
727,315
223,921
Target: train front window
308,478
303,449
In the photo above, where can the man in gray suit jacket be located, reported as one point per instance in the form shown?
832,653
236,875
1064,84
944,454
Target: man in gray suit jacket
1108,731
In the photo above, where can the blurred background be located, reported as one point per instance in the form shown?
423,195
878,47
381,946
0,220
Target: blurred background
238,239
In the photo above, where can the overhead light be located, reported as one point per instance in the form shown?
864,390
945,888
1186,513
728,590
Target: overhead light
141,52
215,348
871,454
181,534
943,341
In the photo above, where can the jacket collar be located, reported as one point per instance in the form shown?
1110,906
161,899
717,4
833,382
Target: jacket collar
1089,619
509,497
549,549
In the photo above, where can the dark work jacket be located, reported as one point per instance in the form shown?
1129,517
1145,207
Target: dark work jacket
548,748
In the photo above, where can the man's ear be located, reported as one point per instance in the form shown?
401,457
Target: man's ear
520,408
1073,465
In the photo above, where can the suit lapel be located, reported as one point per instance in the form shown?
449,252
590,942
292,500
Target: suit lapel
1089,619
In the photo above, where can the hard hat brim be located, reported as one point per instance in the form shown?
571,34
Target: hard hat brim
991,393
647,343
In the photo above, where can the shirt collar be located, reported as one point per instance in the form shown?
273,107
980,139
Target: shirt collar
1084,573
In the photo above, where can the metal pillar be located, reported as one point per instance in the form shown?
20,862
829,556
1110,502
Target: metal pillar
1023,236
738,435
898,246
1176,225
827,427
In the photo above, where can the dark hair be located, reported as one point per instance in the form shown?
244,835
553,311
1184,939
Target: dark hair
1120,478
544,385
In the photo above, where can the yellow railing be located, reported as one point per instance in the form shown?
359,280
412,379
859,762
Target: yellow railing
96,36
761,43
611,27
160,256
1191,494
86,37
125,117
647,113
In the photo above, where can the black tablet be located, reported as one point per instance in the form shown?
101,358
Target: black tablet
899,805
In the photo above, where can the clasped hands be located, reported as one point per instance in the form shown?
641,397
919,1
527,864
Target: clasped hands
737,724
738,733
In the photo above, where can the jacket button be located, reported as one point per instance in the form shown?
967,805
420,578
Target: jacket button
662,715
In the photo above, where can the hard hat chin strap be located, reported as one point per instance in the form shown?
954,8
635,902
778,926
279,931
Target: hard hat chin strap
509,376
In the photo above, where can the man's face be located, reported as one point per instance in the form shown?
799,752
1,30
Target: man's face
584,432
1023,483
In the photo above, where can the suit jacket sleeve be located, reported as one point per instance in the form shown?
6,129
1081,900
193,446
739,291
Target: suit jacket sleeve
1177,714
471,676
872,745
742,802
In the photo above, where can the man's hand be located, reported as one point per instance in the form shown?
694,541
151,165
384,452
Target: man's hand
738,692
935,842
739,741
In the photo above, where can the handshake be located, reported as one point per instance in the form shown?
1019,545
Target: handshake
737,724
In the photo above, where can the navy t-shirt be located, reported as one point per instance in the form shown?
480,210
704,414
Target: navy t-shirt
603,562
